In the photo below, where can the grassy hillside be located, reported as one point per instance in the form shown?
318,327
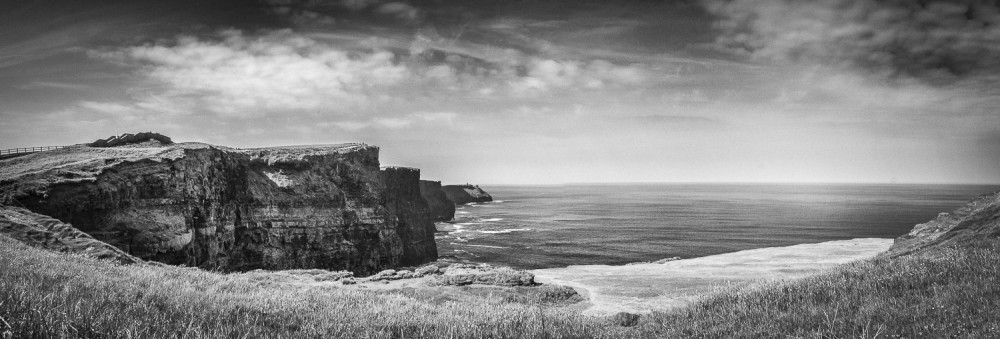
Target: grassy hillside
45,294
939,293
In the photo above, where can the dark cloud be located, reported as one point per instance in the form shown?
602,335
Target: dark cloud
937,41
330,12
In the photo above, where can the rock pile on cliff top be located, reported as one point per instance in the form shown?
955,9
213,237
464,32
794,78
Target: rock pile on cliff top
130,139
483,274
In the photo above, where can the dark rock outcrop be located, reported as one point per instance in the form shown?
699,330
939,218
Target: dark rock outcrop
625,319
130,139
328,207
464,194
978,219
441,208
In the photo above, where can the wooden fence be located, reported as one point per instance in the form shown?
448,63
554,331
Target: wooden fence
28,150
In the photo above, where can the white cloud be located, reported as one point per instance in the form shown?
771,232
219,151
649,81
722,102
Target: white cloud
446,117
279,71
437,119
392,123
544,75
110,108
288,76
349,125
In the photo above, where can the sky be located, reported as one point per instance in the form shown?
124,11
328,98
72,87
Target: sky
528,91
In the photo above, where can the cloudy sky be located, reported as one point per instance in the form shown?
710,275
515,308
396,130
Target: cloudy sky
529,91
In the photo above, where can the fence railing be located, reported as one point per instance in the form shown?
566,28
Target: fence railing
28,150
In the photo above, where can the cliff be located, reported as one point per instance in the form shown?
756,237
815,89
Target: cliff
328,207
441,208
977,219
464,194
416,226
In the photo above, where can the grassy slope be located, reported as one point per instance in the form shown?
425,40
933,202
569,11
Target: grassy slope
44,294
939,293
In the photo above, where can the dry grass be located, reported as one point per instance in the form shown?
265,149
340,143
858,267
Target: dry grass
47,295
946,292
949,292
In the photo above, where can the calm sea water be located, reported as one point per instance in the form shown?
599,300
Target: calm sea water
532,227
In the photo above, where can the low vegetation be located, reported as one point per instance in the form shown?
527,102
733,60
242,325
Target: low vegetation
943,292
50,295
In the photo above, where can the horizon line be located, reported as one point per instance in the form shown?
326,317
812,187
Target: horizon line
610,183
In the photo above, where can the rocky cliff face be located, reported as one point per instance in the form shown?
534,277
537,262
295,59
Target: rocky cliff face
327,207
441,208
979,218
416,226
464,194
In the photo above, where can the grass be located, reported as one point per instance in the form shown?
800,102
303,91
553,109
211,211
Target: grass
48,295
946,292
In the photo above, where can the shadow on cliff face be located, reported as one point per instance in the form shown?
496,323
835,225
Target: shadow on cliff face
441,208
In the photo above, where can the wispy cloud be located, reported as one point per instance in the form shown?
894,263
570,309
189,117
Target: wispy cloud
55,85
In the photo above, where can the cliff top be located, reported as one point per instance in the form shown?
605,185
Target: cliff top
276,154
84,163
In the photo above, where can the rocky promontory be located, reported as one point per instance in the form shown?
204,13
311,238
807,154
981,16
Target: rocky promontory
323,206
464,194
977,219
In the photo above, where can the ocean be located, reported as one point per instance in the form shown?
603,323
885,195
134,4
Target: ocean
537,227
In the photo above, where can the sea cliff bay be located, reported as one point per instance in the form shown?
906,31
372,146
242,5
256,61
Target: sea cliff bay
154,239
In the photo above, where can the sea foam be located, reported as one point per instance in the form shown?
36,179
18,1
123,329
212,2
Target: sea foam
642,288
509,230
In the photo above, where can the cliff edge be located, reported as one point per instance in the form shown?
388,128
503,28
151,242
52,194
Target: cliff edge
322,206
977,219
464,194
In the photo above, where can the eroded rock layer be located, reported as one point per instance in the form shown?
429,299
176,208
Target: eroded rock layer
327,207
